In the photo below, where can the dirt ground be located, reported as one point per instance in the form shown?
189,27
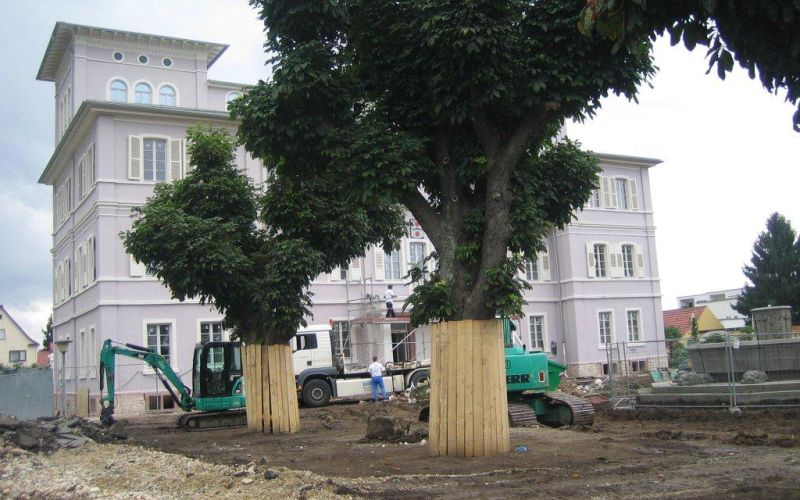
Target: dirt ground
653,454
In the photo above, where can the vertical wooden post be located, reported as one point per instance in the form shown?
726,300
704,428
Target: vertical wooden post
270,389
469,406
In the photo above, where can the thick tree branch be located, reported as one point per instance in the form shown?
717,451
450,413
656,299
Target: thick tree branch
487,132
430,221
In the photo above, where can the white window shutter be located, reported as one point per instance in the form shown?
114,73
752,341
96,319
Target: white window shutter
91,261
544,265
135,268
135,158
90,168
612,192
590,259
187,160
84,265
639,261
336,274
615,260
380,272
633,195
80,176
354,272
605,193
175,159
77,273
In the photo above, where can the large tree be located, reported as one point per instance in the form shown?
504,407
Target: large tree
451,109
774,273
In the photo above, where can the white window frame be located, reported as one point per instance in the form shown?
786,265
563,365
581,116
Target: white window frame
545,335
228,97
173,352
226,334
167,176
640,340
132,97
530,265
632,246
606,263
594,199
92,333
333,322
123,80
612,332
399,265
421,263
174,89
21,361
622,201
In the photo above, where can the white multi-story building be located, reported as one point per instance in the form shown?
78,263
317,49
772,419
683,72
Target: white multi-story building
123,102
721,303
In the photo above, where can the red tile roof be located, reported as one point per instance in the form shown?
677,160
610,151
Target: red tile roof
682,318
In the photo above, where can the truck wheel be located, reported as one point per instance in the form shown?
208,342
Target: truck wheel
316,393
417,377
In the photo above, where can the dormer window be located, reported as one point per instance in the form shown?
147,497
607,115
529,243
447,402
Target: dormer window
143,59
119,91
232,96
143,94
167,96
118,56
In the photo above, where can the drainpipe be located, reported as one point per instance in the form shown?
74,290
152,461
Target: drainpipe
560,301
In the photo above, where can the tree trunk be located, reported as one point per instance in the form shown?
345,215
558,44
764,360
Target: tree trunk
469,406
270,389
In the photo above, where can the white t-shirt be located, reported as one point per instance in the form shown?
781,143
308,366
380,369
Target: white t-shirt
375,369
388,295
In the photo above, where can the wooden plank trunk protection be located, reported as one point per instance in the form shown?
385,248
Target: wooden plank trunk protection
270,389
469,406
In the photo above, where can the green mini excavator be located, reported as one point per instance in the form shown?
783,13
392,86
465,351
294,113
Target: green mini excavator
532,381
216,399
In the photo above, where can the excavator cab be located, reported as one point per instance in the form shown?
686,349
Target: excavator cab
217,376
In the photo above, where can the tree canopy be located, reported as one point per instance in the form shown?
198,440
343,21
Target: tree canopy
449,109
774,273
213,235
760,35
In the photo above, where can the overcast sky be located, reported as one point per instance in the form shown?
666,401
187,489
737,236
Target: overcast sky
729,154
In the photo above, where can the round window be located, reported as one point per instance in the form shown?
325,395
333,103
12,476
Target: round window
167,62
143,59
118,56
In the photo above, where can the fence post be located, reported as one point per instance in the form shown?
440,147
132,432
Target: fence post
610,361
733,407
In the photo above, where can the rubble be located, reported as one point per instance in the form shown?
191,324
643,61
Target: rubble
754,377
692,378
49,434
392,429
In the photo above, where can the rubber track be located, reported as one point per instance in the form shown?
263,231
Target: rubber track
582,410
521,415
202,421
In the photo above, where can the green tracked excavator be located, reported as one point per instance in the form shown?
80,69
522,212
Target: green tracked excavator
216,399
532,381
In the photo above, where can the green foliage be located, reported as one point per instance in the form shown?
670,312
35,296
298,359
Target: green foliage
678,355
672,333
695,330
760,35
47,333
204,237
447,109
714,338
774,273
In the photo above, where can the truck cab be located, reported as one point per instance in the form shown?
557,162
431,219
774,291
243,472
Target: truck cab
312,348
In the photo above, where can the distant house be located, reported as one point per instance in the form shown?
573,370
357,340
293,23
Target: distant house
16,347
721,303
682,320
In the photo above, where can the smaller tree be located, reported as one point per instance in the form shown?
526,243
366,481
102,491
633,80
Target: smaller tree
774,272
48,334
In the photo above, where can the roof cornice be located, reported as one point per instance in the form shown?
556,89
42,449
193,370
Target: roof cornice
63,34
90,110
639,161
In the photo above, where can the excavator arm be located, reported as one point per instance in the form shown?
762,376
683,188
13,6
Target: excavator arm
180,393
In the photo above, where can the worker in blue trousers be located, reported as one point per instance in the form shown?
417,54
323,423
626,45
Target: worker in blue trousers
376,372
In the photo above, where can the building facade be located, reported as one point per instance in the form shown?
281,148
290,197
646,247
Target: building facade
721,303
123,102
17,348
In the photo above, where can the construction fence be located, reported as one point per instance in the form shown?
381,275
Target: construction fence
718,371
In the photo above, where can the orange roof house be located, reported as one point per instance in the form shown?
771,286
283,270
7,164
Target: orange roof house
682,320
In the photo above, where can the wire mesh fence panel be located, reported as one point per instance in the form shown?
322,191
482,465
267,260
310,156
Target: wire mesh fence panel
719,370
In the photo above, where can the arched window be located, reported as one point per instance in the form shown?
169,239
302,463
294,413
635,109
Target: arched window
167,96
119,91
232,96
143,94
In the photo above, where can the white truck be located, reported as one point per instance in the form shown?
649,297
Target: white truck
321,375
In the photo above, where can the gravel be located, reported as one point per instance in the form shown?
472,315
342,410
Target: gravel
97,470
